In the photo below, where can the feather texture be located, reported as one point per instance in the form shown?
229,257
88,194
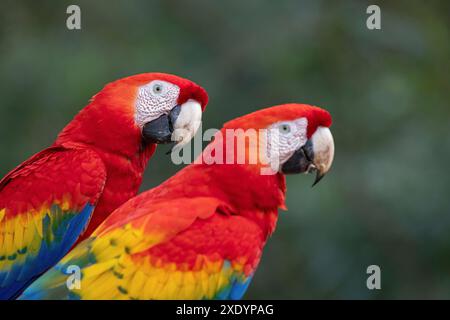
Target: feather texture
46,203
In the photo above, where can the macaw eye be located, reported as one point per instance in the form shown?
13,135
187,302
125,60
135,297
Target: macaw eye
284,128
157,88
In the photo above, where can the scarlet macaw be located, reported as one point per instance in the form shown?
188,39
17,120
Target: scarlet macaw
94,166
200,234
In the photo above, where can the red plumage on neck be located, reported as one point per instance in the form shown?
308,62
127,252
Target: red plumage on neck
107,122
106,125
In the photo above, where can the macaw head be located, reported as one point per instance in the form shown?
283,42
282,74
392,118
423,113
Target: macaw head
294,138
148,108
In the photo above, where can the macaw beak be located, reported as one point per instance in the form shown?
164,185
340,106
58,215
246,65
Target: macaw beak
180,125
316,155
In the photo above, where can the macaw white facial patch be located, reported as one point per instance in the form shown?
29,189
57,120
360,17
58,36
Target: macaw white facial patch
283,139
155,99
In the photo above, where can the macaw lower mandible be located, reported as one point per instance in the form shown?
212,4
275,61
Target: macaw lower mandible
200,234
94,166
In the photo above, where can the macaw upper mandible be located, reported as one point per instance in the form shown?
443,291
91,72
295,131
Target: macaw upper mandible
200,234
95,165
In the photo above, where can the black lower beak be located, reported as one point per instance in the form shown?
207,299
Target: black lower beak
299,162
160,130
302,161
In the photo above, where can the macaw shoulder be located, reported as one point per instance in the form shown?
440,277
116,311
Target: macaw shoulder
45,204
54,175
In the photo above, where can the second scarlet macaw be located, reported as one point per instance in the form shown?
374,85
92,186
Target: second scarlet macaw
200,234
95,165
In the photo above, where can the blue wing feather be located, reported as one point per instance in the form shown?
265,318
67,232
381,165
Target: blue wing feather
66,233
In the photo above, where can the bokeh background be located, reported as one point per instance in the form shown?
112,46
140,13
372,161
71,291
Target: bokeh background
386,201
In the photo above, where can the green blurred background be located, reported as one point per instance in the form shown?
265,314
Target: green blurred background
386,201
